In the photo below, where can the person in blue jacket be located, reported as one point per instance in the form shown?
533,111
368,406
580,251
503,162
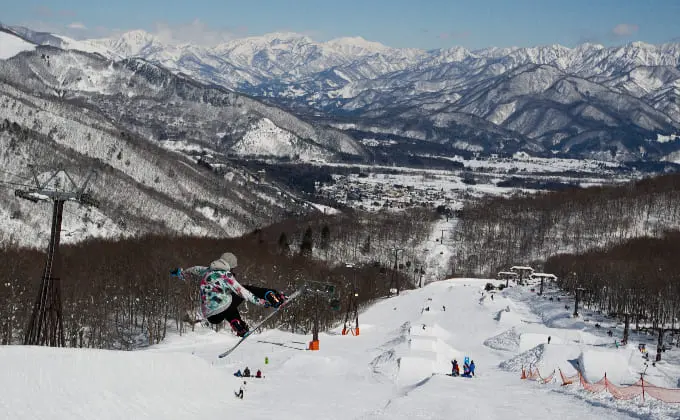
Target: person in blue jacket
472,368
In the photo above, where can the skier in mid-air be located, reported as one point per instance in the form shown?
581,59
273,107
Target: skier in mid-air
221,294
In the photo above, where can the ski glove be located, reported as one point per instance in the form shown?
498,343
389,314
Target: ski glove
177,272
274,298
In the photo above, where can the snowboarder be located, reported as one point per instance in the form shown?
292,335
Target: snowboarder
454,369
549,339
258,374
472,368
444,308
238,373
246,372
239,394
221,294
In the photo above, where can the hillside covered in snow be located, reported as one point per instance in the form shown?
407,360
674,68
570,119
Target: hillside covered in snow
394,369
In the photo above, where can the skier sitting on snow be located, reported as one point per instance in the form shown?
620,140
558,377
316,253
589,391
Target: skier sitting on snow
454,368
238,373
466,371
246,372
221,294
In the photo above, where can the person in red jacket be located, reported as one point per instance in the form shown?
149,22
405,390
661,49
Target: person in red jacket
454,368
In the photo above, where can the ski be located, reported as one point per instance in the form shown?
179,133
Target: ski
257,327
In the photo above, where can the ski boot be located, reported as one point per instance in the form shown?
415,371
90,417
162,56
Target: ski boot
239,327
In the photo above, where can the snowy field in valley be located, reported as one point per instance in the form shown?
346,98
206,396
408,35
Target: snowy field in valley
395,369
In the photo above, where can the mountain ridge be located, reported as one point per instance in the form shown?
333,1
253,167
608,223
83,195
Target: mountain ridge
618,99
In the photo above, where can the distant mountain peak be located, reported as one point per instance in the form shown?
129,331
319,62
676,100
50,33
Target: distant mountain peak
357,44
130,43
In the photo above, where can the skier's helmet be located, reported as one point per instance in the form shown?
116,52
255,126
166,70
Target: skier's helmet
226,262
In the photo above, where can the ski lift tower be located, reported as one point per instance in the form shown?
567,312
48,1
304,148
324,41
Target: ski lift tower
46,325
352,308
318,289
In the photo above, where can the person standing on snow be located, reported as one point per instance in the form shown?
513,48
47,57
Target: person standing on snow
472,368
221,294
239,394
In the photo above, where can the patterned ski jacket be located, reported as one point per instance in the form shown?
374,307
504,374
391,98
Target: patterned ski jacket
216,288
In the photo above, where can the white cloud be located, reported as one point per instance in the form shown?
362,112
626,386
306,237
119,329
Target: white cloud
76,25
196,32
625,29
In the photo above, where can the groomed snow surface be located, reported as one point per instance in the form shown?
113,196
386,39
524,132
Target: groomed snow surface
395,369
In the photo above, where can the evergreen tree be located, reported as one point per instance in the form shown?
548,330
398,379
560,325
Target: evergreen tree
325,237
284,246
366,247
307,242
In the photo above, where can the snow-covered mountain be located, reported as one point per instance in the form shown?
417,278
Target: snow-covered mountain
591,100
82,110
588,101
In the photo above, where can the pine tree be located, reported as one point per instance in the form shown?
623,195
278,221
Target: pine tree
325,237
366,247
284,246
307,242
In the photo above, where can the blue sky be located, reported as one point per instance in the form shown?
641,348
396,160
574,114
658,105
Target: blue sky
399,23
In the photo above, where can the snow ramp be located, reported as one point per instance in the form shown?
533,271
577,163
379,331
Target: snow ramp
99,384
426,354
545,357
616,363
507,341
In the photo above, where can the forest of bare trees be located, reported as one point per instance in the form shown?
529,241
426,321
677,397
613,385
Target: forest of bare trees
496,233
118,294
615,246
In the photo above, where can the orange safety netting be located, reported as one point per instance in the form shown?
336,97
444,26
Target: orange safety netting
568,380
535,375
669,395
641,388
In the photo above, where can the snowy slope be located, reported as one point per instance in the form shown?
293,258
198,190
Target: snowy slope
11,45
393,370
68,384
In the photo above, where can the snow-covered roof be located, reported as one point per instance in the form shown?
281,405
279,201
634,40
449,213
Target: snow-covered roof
507,273
520,267
545,275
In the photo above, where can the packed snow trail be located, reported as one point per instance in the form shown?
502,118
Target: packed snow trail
394,370
379,374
